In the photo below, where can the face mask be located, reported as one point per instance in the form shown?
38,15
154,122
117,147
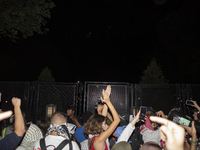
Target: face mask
105,127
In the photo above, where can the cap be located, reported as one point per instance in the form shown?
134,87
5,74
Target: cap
149,108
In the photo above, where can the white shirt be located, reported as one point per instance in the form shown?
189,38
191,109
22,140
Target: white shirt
125,135
51,141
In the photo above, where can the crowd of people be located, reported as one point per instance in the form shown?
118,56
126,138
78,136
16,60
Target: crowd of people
98,131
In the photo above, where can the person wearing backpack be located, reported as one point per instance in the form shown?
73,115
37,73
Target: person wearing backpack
57,137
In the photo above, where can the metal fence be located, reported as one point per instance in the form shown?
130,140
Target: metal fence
124,96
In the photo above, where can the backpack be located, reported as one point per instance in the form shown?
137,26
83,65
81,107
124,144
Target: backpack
136,139
61,145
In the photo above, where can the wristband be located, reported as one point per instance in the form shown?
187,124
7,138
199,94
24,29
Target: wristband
193,143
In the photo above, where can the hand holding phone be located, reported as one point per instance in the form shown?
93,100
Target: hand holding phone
143,111
189,102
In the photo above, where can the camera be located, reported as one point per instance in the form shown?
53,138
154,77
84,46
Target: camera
100,102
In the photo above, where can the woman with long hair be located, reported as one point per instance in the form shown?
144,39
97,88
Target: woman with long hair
96,127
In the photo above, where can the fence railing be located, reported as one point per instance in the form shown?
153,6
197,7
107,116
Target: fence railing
36,97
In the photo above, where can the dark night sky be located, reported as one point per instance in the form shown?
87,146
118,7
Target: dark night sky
90,40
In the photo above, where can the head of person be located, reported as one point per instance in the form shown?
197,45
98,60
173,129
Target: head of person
58,118
58,125
71,110
122,146
150,146
95,124
149,111
196,114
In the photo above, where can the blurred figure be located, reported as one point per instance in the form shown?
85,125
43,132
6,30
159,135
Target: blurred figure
43,125
72,117
79,133
12,140
97,129
57,135
32,134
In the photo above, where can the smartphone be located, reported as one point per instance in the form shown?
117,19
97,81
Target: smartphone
143,111
189,102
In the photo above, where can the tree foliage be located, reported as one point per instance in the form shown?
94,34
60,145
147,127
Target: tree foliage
24,17
153,74
46,76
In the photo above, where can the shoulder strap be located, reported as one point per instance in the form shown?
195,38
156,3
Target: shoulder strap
42,144
65,127
91,142
63,144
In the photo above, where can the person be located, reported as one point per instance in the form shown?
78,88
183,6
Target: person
12,140
150,146
196,111
96,127
10,128
171,133
56,134
149,129
79,133
72,117
127,132
102,109
122,146
43,125
32,133
192,131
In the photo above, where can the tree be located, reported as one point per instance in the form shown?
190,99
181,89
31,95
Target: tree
46,76
24,17
153,74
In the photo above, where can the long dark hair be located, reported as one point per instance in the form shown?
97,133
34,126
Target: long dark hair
43,125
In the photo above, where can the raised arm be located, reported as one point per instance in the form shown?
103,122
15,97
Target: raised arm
192,131
105,107
19,121
104,135
195,105
125,135
6,114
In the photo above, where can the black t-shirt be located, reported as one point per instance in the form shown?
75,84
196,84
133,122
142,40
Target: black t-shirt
10,141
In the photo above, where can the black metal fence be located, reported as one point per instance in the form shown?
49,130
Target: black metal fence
124,96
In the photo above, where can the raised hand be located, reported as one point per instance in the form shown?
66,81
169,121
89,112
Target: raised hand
108,90
106,94
171,133
16,102
195,104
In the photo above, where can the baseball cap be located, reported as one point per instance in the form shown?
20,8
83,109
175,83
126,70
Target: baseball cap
149,108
